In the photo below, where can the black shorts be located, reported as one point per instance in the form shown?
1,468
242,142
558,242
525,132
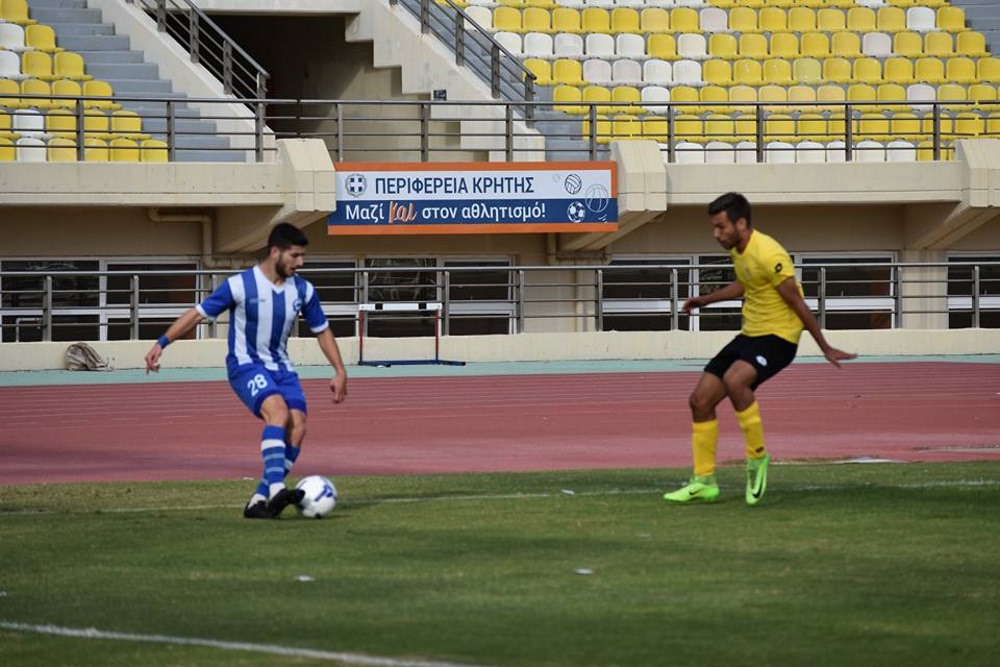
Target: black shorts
768,354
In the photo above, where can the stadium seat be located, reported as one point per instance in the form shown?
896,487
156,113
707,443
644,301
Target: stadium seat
802,96
741,20
724,45
662,47
714,99
16,11
597,71
920,95
807,70
779,152
483,17
867,70
123,150
908,44
599,45
830,94
950,18
772,20
929,70
686,98
533,19
969,124
688,73
812,127
38,65
625,127
869,150
510,41
815,45
778,71
809,152
684,20
568,45
743,94
746,152
717,72
877,45
542,69
938,44
961,70
655,129
628,45
748,72
28,123
595,19
784,45
920,19
861,19
689,127
691,46
831,20
719,152
32,87
10,66
8,151
905,125
988,70
751,45
69,65
625,20
899,150
657,72
30,149
598,97
715,19
654,20
61,123
719,127
862,92
873,125
775,96
655,99
898,70
801,20
12,37
689,152
11,92
983,95
567,71
154,150
508,19
60,149
102,94
845,44
890,19
566,20
626,72
892,96
971,44
567,99
535,44
954,95
837,70
127,124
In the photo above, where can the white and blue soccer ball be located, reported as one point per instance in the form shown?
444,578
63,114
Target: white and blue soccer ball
576,211
320,499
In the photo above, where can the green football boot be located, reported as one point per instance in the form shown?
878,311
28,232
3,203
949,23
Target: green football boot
757,478
699,489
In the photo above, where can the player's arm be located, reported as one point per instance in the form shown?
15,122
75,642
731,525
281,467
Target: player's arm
180,327
733,290
338,385
789,291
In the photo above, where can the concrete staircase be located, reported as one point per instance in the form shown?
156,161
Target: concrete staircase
984,16
109,57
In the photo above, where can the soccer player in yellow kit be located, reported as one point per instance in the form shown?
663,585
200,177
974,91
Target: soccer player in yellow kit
774,314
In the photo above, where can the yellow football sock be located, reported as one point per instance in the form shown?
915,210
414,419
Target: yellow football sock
753,431
704,438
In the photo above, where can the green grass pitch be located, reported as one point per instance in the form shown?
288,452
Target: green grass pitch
889,564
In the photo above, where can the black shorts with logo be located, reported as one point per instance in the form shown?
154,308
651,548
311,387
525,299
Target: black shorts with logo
768,354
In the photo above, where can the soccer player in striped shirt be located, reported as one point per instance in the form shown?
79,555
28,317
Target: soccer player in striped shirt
774,314
264,303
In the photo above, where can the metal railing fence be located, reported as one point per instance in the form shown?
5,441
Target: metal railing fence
50,305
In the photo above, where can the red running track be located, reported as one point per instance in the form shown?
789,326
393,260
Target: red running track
914,411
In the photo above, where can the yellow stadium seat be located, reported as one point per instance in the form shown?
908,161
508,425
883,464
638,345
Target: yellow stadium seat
954,94
929,70
812,127
566,19
831,20
778,71
127,124
961,70
845,45
801,19
655,128
775,96
70,65
815,45
748,72
96,124
596,19
946,124
753,45
654,20
683,95
925,151
718,72
802,96
892,96
830,94
899,70
861,92
988,70
5,126
567,99
61,123
867,70
890,19
542,69
567,71
154,150
873,125
662,47
779,127
598,97
61,149
123,150
688,127
938,44
12,92
983,95
971,44
42,38
626,95
739,95
837,70
16,11
625,127
723,45
861,19
784,45
772,20
32,87
714,99
684,19
969,124
743,20
993,124
37,64
625,19
546,4
807,70
536,19
66,87
719,127
8,152
909,44
905,125
507,19
951,18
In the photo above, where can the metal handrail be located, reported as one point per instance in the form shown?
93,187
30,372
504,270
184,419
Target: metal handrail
209,45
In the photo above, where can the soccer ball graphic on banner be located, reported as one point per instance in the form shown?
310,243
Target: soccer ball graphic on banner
320,498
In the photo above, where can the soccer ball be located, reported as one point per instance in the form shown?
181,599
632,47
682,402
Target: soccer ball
320,498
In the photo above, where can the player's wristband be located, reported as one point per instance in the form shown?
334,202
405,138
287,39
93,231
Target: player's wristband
163,341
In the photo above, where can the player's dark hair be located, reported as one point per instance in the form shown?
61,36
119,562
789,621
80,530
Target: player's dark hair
285,235
734,204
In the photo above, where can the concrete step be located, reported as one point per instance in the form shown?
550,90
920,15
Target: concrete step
151,87
52,15
80,30
109,71
183,127
115,57
57,4
95,43
209,156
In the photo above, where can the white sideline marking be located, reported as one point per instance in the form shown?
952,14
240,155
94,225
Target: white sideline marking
274,649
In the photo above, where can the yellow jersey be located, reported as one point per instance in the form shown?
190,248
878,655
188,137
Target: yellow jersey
760,268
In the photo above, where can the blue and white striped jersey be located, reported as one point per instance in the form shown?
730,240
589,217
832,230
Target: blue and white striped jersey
263,316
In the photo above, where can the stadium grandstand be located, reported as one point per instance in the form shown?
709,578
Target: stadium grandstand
147,147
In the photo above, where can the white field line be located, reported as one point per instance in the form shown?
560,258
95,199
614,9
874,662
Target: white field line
273,649
957,483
